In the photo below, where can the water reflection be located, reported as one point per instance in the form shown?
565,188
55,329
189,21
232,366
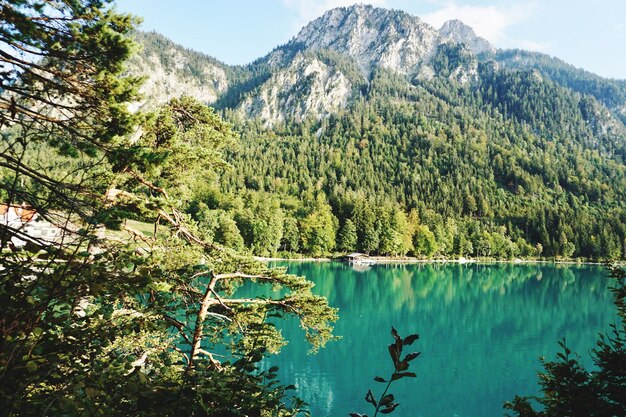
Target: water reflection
482,329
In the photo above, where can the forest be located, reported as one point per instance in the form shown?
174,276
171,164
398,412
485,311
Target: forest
526,161
432,169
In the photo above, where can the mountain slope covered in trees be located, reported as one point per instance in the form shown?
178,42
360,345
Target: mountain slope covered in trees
372,131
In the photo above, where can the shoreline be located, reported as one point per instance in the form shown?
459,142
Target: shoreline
270,259
385,260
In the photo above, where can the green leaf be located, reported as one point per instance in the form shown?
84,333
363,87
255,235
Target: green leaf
411,356
410,339
369,397
386,400
160,286
31,366
399,375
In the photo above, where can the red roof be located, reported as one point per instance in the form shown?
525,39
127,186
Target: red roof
25,213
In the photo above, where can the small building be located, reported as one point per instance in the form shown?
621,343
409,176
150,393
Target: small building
24,222
358,259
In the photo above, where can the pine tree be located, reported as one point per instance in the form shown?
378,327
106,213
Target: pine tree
347,237
122,322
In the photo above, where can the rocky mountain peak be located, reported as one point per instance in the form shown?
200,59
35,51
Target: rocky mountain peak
321,68
459,32
374,37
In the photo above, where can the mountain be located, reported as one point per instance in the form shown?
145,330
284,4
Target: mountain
612,93
459,32
171,71
373,37
381,38
329,61
330,48
326,66
370,111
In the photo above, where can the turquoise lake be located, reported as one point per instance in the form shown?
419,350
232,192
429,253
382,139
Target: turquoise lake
482,330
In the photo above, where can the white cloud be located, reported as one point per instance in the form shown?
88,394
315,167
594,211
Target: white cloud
490,22
307,10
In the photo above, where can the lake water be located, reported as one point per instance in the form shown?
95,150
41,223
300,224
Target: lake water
482,329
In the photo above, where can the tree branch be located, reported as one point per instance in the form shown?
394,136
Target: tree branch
204,307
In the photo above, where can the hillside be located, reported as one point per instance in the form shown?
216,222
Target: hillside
171,70
397,137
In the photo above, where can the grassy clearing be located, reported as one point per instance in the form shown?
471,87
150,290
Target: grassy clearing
146,229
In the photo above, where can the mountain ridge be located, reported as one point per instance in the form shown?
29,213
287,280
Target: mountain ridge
370,38
478,143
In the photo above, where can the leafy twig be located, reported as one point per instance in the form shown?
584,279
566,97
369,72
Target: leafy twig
386,403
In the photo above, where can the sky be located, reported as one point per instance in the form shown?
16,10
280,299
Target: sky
590,34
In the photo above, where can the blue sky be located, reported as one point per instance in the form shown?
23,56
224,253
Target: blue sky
587,34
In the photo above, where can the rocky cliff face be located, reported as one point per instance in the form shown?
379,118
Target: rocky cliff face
459,32
171,71
330,63
307,86
373,37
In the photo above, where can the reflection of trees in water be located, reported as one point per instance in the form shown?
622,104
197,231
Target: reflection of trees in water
481,326
498,293
318,388
502,289
404,287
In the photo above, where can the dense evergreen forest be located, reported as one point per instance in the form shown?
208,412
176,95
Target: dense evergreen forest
508,167
525,158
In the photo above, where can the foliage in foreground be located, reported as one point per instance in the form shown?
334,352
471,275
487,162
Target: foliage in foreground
386,403
97,324
571,390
